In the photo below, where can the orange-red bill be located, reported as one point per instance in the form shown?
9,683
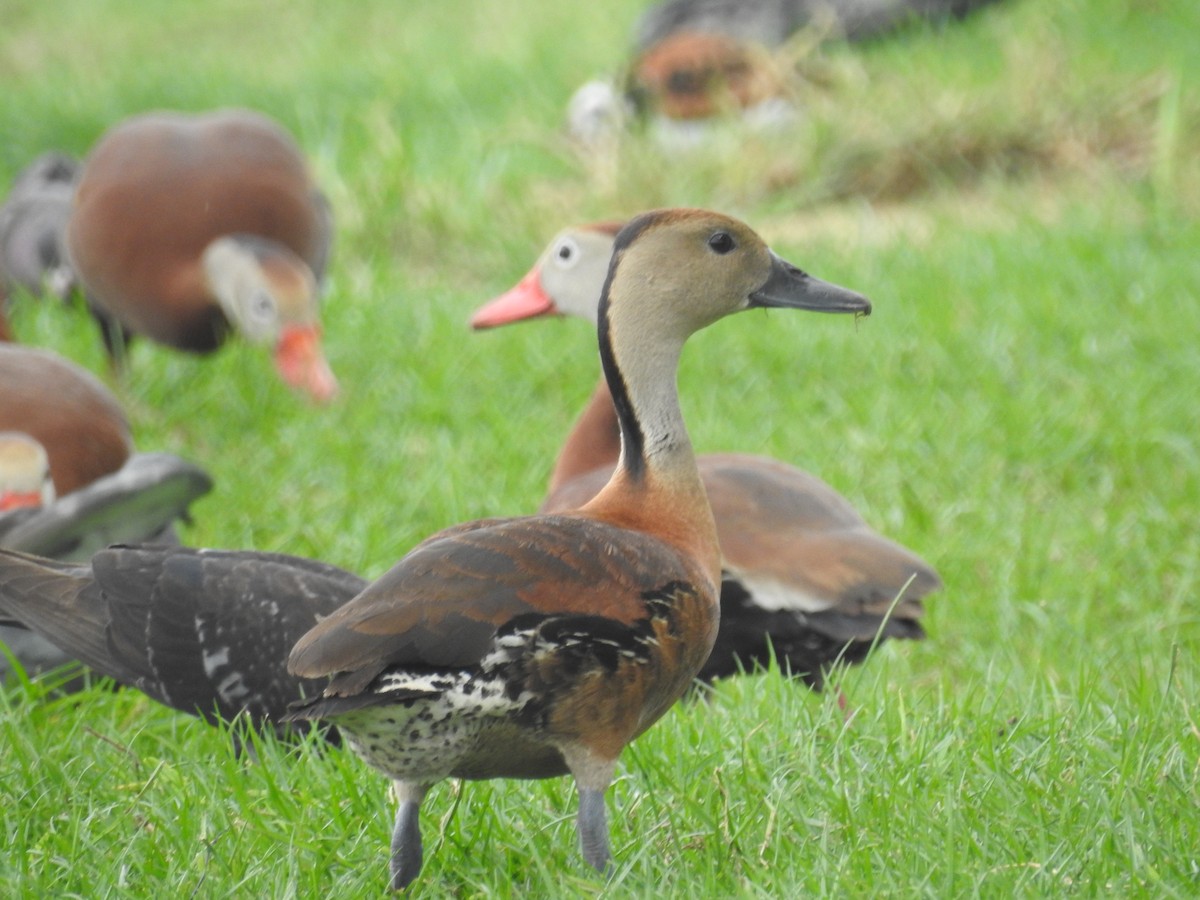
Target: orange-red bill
301,364
19,500
526,300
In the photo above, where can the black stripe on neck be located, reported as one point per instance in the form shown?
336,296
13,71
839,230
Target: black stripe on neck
633,441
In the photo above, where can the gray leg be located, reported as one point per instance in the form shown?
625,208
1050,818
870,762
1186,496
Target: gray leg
593,774
592,826
406,836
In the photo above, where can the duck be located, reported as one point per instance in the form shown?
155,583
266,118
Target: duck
71,480
185,227
805,581
202,631
694,61
679,86
540,646
33,223
68,411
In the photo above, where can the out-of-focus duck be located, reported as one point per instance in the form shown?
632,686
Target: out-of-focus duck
70,479
693,60
33,223
185,227
805,580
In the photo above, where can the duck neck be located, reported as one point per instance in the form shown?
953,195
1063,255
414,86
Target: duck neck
641,380
594,441
656,486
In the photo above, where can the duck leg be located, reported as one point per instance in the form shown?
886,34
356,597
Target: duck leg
406,835
593,774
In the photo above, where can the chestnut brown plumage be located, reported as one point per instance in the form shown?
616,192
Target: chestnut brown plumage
538,646
185,226
67,410
805,580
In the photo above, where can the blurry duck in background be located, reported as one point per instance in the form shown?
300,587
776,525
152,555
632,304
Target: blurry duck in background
696,60
33,223
805,580
70,479
187,227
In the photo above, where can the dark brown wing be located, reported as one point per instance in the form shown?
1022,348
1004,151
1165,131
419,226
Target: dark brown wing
441,605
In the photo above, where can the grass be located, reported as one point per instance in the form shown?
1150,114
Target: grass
1019,196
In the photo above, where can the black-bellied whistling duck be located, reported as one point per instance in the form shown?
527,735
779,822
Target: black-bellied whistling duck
540,646
203,631
692,60
805,579
66,450
33,221
67,410
103,492
187,226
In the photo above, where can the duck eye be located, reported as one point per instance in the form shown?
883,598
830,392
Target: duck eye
721,242
262,305
566,253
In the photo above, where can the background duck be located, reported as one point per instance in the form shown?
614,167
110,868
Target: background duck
695,60
33,222
538,646
66,433
185,227
805,580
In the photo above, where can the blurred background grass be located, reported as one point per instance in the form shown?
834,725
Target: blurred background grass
1017,193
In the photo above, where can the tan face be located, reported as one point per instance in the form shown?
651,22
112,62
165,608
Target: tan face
714,264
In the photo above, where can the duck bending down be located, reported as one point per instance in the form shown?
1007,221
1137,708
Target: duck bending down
33,221
805,580
185,227
540,646
99,489
71,481
206,632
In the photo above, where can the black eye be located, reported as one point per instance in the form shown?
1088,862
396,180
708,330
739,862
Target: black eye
721,242
566,252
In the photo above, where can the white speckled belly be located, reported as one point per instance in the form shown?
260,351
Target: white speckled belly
465,730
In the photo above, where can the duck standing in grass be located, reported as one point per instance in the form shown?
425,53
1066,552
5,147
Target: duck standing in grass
185,227
540,646
805,580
